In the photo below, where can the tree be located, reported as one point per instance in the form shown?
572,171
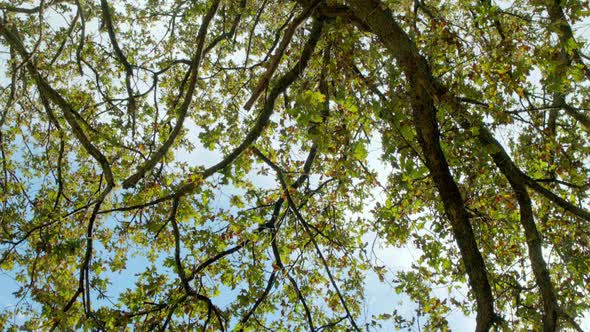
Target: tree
479,111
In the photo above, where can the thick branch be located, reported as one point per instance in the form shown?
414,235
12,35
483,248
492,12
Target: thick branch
534,241
48,92
565,32
423,90
276,58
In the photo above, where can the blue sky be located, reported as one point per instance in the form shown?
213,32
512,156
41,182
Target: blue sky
380,297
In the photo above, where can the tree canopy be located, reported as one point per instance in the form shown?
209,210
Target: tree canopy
231,159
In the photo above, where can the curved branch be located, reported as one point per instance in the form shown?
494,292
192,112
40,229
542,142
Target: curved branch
495,147
276,58
565,32
215,258
582,213
277,255
232,31
85,266
293,207
179,268
184,280
108,22
423,90
21,10
48,92
527,220
183,109
574,113
283,83
260,299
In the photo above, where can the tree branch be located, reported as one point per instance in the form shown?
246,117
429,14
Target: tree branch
276,58
108,22
423,90
305,225
183,109
45,89
283,83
